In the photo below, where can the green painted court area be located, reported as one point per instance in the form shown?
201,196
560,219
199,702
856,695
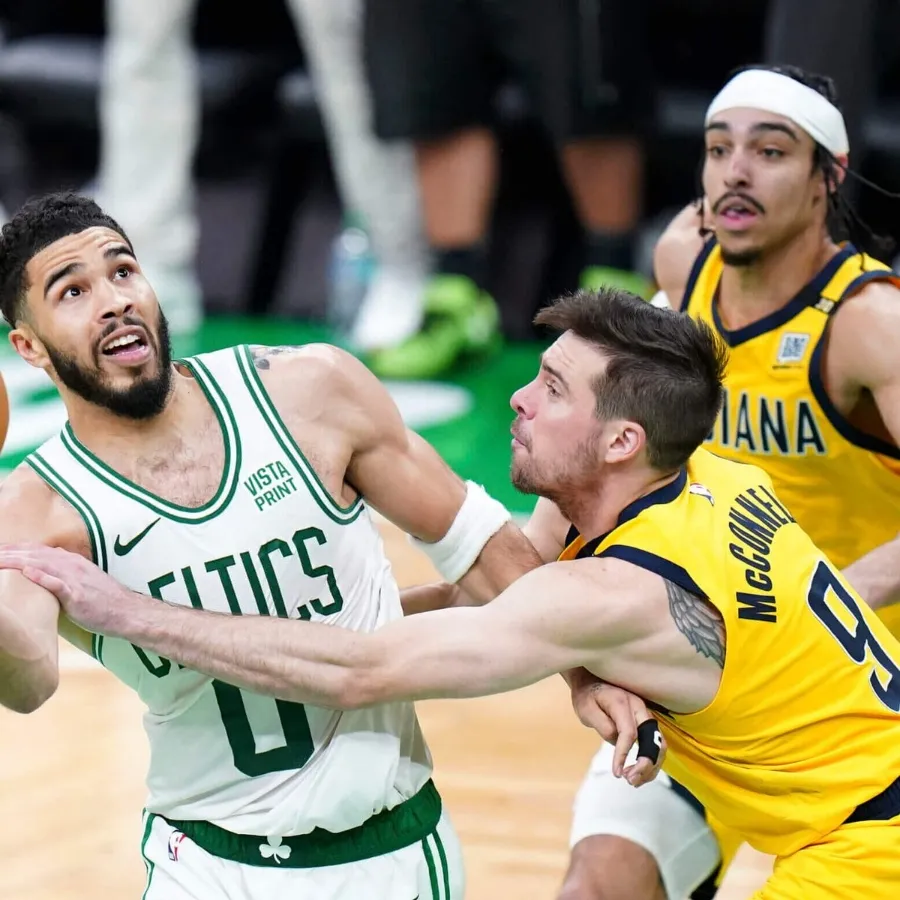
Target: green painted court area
466,416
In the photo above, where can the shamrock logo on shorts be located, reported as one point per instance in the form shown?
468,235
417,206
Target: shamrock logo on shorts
275,849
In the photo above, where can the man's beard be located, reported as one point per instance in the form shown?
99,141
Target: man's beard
523,479
561,479
144,399
741,258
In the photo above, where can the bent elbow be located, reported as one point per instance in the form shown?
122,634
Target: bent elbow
43,688
31,696
28,703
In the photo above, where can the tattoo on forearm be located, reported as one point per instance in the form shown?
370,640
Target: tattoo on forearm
699,621
262,354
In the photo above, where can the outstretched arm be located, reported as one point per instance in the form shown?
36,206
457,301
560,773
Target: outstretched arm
612,712
548,621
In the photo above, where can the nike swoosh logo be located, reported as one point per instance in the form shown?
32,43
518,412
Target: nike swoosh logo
121,549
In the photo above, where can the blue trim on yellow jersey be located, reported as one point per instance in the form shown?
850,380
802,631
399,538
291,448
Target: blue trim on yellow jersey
665,494
808,295
848,432
862,280
653,563
696,269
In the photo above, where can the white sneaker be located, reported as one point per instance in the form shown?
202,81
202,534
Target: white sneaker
392,310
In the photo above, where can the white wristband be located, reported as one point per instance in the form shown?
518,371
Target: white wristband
478,520
661,300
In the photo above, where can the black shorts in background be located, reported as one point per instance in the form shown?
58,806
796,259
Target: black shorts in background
435,65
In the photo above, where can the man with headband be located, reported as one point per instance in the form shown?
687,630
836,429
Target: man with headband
812,397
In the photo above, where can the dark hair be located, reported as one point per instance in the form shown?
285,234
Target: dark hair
842,219
37,224
664,369
821,84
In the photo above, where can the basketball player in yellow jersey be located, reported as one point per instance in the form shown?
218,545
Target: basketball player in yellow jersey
812,397
812,326
687,581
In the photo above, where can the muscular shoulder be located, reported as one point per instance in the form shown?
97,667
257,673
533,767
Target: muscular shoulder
308,375
31,511
312,361
864,336
876,303
675,252
324,384
656,606
614,592
644,593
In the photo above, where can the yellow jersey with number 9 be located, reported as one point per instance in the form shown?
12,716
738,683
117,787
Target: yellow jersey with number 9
805,727
842,485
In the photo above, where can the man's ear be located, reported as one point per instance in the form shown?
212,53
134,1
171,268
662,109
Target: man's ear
624,441
28,345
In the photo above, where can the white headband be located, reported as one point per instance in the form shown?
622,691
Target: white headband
783,96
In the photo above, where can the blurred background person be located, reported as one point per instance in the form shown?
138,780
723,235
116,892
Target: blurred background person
435,66
149,131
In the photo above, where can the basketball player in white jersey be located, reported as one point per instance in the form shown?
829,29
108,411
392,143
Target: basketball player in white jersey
233,482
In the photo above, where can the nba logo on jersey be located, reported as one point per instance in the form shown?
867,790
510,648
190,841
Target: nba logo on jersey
792,347
175,839
701,490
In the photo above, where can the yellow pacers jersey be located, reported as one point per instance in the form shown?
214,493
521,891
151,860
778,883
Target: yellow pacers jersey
842,485
805,726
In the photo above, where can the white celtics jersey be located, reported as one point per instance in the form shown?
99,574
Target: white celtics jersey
270,542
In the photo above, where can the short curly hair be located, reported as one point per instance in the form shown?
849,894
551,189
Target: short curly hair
36,225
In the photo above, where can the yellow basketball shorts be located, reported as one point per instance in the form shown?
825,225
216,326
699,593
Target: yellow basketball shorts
860,861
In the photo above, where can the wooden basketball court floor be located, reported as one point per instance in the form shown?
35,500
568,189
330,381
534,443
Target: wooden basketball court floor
71,785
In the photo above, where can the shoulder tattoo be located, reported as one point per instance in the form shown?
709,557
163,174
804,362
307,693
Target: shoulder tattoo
699,621
261,355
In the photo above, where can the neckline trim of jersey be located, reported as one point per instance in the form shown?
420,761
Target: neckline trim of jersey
807,296
230,470
670,491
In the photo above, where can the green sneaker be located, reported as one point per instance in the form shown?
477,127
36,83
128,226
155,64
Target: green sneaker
460,320
481,328
595,277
